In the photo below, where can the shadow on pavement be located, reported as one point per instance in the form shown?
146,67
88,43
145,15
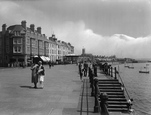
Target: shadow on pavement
30,87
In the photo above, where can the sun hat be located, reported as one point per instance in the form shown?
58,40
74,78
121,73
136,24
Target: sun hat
40,62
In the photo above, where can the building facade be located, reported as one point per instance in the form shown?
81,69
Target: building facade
18,44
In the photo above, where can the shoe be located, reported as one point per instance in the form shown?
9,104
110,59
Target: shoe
35,87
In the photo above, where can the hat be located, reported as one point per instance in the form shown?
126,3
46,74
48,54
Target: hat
40,62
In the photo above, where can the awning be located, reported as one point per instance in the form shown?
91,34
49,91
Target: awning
47,58
35,56
43,58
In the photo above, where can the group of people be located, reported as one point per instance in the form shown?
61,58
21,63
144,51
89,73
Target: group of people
51,64
38,73
84,68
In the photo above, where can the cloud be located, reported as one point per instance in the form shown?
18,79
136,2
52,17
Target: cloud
119,44
77,32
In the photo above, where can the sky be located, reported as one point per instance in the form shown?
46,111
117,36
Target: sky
102,27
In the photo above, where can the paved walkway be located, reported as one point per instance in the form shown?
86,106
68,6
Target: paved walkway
60,96
63,94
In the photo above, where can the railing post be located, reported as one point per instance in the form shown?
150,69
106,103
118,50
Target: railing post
115,72
111,72
90,72
129,104
103,104
107,70
92,85
96,108
95,70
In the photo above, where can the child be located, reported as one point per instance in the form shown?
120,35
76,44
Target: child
41,73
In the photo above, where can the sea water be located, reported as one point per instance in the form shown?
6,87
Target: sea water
138,86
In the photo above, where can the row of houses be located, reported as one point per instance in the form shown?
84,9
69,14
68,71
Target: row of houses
19,44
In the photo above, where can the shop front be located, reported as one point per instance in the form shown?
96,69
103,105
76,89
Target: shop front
17,61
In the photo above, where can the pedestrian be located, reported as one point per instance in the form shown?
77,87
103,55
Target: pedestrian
34,76
95,69
49,64
41,74
52,63
85,68
80,70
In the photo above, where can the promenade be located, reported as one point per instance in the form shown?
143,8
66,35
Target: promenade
60,96
63,94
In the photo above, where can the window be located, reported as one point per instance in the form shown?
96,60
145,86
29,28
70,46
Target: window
28,41
19,49
19,40
17,33
33,42
28,49
40,44
15,49
14,40
36,44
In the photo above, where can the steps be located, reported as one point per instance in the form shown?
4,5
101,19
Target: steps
117,101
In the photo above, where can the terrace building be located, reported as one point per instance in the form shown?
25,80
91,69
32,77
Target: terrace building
53,48
19,43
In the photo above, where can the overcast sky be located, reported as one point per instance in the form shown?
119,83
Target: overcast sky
102,27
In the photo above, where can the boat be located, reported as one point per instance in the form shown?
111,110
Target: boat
145,69
125,65
131,67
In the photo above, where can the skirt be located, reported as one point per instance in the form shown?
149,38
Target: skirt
41,78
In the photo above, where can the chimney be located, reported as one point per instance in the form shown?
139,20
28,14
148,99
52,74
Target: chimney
53,36
39,30
4,28
55,39
23,23
32,27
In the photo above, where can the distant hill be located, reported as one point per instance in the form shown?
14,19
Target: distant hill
143,59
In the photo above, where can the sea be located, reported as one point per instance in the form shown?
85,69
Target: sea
138,86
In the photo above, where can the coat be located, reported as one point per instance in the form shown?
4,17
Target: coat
34,76
41,70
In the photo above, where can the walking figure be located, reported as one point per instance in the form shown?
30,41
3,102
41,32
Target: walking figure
41,73
49,64
80,70
34,76
85,68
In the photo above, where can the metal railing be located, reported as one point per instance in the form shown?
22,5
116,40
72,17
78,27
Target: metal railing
100,106
100,100
116,75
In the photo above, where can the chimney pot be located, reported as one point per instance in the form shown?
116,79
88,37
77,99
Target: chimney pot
32,27
53,36
23,23
4,28
39,30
